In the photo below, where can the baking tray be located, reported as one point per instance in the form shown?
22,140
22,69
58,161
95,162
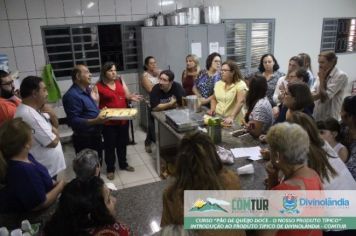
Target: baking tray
182,120
119,113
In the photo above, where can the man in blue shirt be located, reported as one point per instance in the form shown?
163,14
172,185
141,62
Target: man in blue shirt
83,113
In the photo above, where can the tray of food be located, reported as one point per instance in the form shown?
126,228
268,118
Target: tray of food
119,113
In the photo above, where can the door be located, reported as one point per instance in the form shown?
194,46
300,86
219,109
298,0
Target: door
198,38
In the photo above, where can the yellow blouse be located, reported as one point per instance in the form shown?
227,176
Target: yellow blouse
227,98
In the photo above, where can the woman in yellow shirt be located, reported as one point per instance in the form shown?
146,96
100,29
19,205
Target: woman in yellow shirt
229,94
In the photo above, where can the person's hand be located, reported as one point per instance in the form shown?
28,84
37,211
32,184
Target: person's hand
228,120
266,154
275,112
101,118
136,97
250,126
262,138
210,112
173,101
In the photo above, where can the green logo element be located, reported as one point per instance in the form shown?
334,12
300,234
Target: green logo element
210,204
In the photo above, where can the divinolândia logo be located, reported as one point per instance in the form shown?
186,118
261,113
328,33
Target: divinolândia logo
211,204
290,204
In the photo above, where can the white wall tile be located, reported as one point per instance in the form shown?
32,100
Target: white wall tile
24,74
107,19
139,6
3,15
54,8
11,55
182,3
40,61
91,19
123,18
74,20
5,36
106,7
154,7
72,8
93,10
56,21
139,17
123,7
20,32
35,9
35,30
169,8
16,9
24,59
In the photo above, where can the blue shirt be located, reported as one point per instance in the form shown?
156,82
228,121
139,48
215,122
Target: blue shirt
26,186
79,107
205,83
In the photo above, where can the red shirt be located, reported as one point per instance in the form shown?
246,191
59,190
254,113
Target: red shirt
112,98
7,109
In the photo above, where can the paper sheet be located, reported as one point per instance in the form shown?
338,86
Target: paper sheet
213,47
196,49
252,152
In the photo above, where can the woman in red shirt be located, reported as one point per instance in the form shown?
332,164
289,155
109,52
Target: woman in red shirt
113,93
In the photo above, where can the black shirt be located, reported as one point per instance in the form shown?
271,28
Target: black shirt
158,96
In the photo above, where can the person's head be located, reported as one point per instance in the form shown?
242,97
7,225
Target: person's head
257,90
306,60
230,72
15,137
108,71
86,164
198,164
295,63
329,130
213,61
33,88
268,62
302,75
192,62
289,145
348,111
291,76
7,87
297,96
165,80
82,205
150,64
318,158
81,75
327,60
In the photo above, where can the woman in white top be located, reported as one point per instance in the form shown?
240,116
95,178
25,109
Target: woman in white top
148,80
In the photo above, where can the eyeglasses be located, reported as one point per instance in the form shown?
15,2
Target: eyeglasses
8,83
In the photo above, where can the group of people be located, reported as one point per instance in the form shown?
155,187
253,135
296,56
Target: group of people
297,114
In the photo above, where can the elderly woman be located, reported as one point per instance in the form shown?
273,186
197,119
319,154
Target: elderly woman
229,94
25,184
86,164
190,73
268,68
85,208
259,115
289,145
204,84
348,116
198,167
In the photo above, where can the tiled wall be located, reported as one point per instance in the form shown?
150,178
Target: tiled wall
20,22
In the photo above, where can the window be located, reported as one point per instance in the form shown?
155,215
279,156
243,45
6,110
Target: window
339,35
92,45
247,40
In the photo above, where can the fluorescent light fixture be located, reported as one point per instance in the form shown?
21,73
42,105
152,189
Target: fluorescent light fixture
167,2
90,5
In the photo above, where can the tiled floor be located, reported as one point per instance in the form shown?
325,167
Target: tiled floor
144,164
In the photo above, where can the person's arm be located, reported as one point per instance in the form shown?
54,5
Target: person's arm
277,98
344,154
213,104
52,115
146,83
51,196
131,96
165,106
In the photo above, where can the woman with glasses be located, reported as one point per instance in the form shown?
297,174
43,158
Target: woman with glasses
25,184
204,84
229,94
